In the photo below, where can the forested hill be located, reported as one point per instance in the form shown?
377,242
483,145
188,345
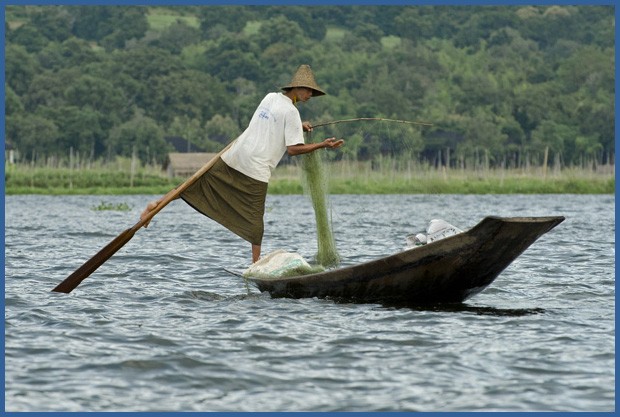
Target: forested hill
512,83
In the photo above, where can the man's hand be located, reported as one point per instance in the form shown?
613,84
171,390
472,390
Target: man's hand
307,126
150,207
333,143
302,148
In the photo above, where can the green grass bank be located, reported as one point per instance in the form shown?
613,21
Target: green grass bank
349,178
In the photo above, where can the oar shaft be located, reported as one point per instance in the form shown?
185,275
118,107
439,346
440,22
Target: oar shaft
95,262
176,192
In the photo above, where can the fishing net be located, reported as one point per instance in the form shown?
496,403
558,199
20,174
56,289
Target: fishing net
399,138
315,182
281,264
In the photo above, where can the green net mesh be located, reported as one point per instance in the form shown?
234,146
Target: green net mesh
315,182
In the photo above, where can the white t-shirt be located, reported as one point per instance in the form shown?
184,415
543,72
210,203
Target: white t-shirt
276,124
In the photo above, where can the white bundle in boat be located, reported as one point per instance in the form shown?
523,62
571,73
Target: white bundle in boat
437,229
280,263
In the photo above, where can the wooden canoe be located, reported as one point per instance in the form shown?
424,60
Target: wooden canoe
450,270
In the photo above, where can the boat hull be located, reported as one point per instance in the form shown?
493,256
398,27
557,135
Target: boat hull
450,270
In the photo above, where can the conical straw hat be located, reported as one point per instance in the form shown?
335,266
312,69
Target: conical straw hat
305,78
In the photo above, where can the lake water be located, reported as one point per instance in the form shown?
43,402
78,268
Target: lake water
161,326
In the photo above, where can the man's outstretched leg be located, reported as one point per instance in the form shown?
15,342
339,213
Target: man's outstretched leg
255,252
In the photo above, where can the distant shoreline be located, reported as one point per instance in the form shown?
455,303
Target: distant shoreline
342,180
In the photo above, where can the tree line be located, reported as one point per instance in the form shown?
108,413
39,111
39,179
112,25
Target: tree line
504,86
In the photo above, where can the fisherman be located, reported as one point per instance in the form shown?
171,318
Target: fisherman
234,190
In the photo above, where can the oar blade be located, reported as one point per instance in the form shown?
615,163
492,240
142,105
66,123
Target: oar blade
95,262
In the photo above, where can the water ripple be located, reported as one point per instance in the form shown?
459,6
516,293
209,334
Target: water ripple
163,327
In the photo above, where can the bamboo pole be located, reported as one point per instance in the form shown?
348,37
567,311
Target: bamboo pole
545,160
133,166
365,119
71,168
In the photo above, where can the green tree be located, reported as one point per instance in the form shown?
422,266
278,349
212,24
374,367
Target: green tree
99,95
190,93
48,88
534,103
28,36
72,52
53,22
279,29
587,150
231,18
135,70
484,137
79,128
480,26
33,136
368,31
589,67
177,36
232,57
312,25
189,129
553,135
413,23
499,83
20,68
12,102
141,134
221,129
143,63
111,26
546,25
388,98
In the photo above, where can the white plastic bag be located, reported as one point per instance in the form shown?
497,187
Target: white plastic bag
437,229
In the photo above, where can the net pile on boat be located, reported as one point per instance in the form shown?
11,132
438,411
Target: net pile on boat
279,264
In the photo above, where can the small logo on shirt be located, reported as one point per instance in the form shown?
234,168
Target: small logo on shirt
265,114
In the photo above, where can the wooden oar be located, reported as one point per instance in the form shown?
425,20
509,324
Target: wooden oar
111,248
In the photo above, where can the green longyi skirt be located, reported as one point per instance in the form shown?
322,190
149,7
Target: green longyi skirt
232,199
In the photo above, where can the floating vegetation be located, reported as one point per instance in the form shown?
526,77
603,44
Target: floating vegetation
103,206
